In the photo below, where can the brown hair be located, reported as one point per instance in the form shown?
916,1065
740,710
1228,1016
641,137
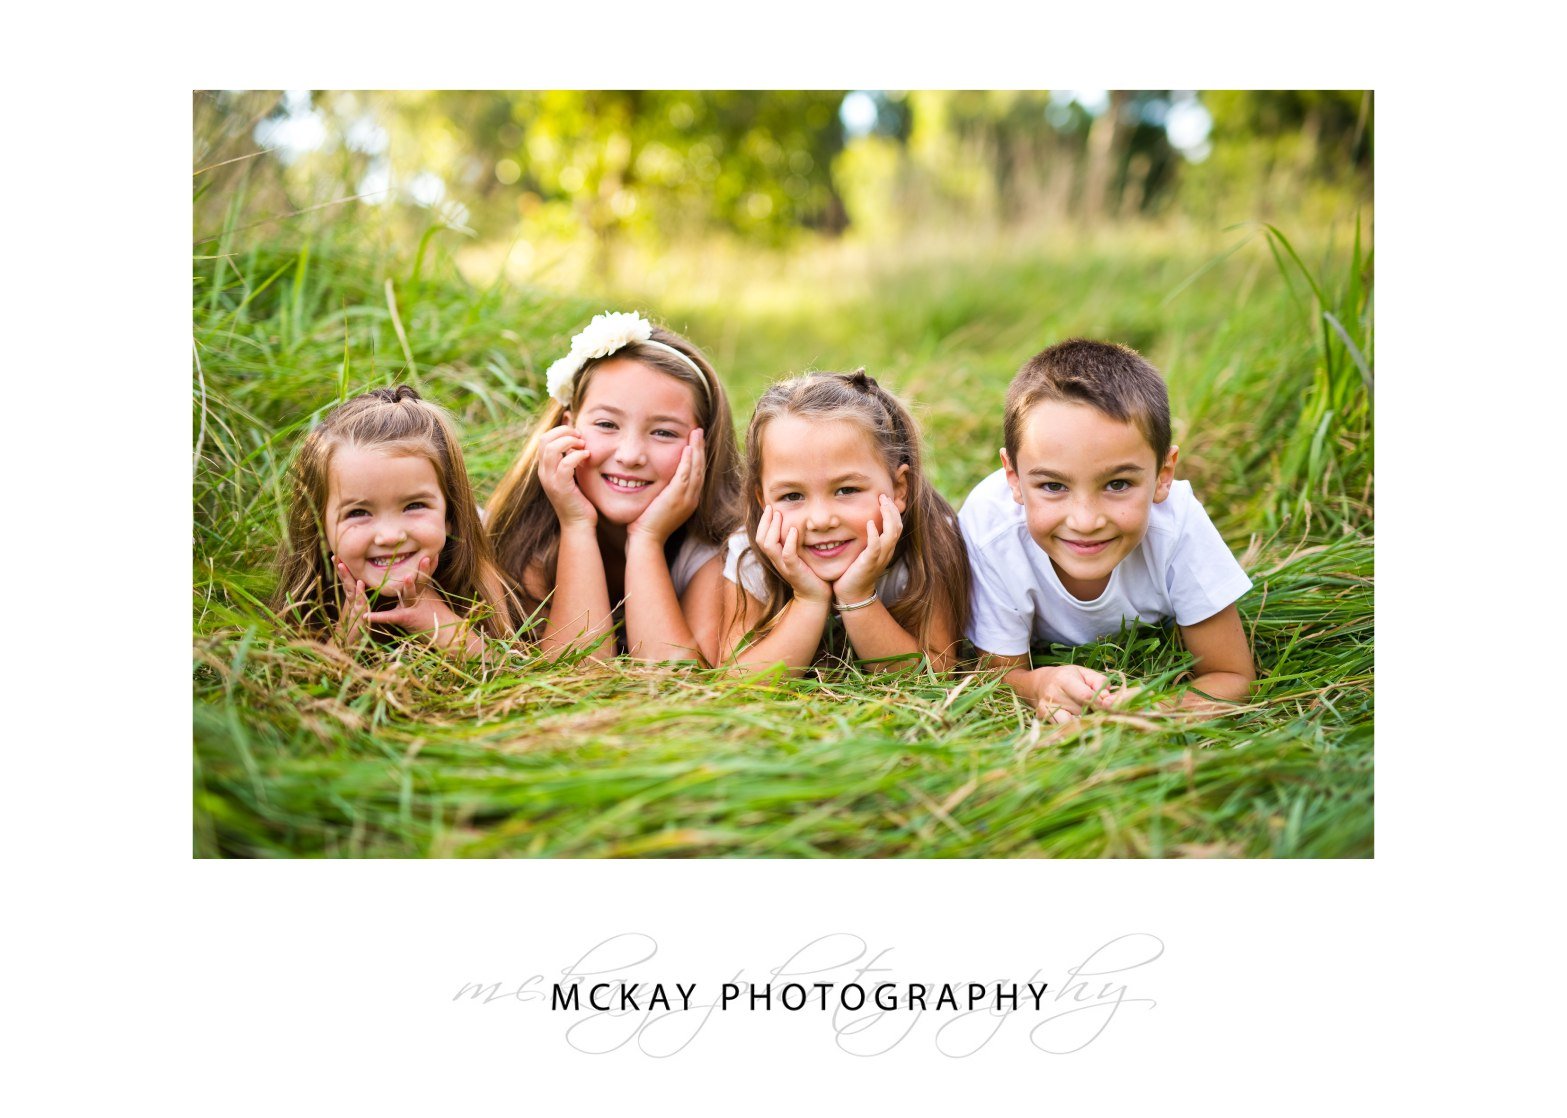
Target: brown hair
931,547
393,421
522,523
1112,379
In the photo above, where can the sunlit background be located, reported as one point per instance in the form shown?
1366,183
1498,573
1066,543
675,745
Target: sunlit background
565,188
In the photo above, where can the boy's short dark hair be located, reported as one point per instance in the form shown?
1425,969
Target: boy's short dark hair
1112,379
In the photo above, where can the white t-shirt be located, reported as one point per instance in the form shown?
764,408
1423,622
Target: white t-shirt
748,572
689,559
1180,569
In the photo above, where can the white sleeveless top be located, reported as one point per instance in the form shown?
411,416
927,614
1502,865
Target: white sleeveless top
692,557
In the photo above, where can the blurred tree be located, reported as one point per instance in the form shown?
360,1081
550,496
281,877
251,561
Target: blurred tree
1334,124
648,164
613,163
1107,144
651,167
1275,152
1009,155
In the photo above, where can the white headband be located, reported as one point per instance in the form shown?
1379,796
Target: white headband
607,333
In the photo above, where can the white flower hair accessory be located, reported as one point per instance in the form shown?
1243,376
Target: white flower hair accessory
607,333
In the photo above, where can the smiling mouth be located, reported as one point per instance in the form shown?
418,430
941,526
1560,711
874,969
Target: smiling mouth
827,550
1086,547
384,561
625,484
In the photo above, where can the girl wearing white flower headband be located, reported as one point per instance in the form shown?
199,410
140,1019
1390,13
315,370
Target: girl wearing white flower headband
618,505
846,541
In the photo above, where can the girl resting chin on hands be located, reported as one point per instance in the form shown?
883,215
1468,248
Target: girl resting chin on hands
842,531
615,511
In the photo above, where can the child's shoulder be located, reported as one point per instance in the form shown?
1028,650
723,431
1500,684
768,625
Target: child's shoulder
1180,531
1171,514
1169,519
1198,570
989,511
742,565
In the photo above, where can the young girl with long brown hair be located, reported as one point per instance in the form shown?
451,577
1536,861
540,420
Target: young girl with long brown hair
841,521
617,508
383,531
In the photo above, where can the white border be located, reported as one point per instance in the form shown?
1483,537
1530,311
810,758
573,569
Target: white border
1421,979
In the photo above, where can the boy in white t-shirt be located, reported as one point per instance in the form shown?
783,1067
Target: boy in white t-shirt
1085,528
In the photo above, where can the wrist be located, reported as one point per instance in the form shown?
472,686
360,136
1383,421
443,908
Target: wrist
575,511
1026,681
644,535
579,530
848,603
437,619
844,592
821,596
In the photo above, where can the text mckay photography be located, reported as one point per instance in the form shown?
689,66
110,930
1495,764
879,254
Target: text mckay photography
616,996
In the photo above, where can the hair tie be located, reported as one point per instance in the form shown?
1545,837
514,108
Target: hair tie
889,406
393,393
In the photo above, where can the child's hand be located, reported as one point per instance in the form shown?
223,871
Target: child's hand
1120,697
784,551
679,499
859,581
355,607
563,450
420,607
1065,691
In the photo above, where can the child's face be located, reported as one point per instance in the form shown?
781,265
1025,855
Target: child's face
384,513
636,421
1086,482
825,478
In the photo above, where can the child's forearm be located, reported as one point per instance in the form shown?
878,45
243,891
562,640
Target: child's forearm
656,626
793,639
579,612
432,617
1017,672
1025,682
1222,666
1231,687
459,636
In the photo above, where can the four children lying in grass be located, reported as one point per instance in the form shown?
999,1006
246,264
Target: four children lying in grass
630,524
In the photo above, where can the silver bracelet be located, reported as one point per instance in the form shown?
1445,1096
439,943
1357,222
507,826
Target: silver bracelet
855,605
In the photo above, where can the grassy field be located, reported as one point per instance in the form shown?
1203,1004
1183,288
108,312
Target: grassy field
1265,337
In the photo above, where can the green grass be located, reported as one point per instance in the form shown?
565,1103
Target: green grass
300,751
